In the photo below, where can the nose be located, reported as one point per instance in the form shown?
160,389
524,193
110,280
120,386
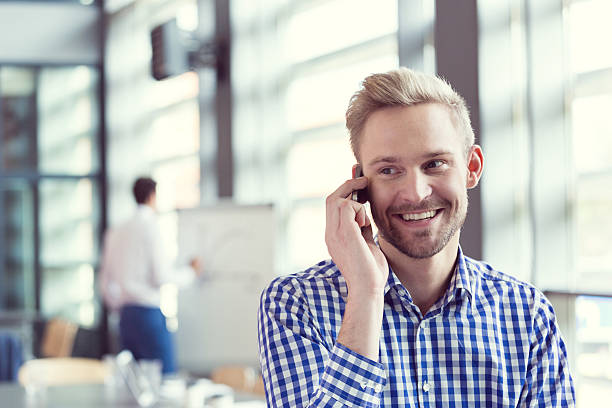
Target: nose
415,187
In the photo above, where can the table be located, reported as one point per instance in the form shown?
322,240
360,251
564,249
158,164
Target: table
13,395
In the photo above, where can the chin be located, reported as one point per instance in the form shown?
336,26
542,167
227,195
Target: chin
418,250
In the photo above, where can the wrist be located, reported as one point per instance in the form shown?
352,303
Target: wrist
363,294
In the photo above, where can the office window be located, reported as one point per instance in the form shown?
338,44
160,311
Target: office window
69,226
546,91
593,362
590,101
17,87
49,190
17,246
295,152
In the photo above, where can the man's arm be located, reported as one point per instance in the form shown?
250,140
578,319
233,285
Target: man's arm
348,235
299,368
548,381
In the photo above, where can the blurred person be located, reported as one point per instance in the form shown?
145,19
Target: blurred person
405,318
134,267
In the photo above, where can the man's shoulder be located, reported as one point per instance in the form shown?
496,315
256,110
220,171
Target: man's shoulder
492,282
324,276
484,270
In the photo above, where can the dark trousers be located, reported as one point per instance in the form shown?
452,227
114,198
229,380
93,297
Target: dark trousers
143,331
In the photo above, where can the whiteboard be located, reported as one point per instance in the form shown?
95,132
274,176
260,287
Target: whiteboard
217,317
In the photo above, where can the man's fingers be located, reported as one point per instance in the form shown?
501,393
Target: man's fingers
368,234
362,217
346,189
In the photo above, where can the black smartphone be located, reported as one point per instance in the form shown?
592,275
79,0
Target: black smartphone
358,195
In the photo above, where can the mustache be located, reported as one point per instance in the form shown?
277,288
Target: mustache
429,204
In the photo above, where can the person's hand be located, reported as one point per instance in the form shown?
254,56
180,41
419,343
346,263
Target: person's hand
349,239
196,265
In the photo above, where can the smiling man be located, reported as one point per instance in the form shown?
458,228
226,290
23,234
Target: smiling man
407,319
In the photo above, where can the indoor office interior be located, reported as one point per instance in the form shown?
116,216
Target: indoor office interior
244,132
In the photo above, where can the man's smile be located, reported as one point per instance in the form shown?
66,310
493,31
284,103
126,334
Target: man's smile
419,216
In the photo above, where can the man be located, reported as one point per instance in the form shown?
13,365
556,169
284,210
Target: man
407,319
134,267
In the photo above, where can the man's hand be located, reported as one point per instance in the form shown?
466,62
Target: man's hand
349,239
196,265
348,235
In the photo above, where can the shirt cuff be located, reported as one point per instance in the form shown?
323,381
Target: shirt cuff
353,379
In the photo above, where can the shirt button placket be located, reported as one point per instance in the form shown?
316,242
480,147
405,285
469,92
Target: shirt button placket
422,350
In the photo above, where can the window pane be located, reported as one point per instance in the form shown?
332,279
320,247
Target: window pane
18,118
593,369
592,133
68,239
16,246
593,231
321,99
175,132
67,221
67,120
317,30
316,166
68,291
178,183
589,35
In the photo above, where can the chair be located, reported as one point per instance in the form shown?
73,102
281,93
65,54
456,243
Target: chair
58,338
240,378
62,371
259,388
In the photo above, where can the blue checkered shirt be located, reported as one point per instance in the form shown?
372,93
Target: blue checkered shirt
489,341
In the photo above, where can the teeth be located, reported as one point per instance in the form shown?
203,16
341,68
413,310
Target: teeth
419,216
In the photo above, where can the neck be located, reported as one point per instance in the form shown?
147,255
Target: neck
426,279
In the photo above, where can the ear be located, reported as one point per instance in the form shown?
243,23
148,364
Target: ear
475,163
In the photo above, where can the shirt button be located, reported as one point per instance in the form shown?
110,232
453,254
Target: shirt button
378,388
426,387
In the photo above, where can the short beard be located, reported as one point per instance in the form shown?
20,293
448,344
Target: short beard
418,249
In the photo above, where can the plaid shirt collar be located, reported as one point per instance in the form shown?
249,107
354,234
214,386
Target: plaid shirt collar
461,286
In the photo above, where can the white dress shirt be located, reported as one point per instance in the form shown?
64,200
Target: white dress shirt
135,265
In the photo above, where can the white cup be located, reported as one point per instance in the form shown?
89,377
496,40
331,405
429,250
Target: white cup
152,370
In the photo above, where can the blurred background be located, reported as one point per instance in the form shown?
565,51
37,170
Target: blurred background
259,119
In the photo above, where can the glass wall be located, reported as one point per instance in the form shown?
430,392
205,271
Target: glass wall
50,197
590,103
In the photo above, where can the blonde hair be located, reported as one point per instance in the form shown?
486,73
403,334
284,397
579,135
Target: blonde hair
404,87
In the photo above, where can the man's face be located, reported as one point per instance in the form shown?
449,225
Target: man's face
414,158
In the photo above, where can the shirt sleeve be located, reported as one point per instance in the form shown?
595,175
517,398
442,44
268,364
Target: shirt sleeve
163,271
300,369
548,381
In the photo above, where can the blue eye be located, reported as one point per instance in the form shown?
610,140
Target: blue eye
434,164
388,170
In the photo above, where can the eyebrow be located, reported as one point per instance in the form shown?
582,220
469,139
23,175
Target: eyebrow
396,159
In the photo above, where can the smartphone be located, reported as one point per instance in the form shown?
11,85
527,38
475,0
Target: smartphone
358,195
